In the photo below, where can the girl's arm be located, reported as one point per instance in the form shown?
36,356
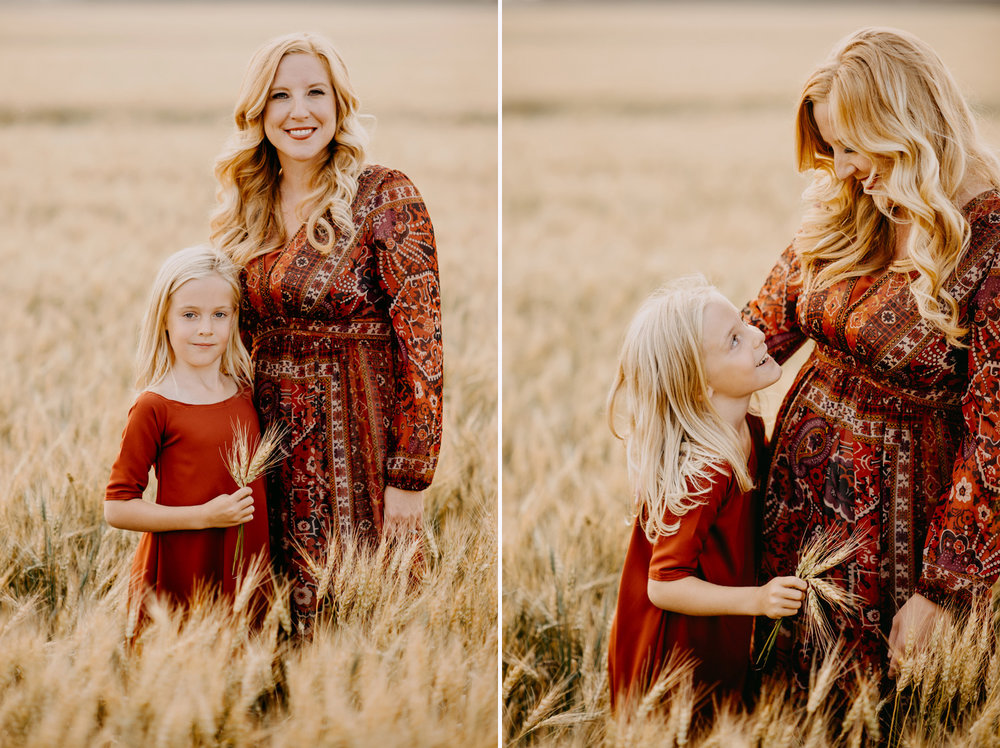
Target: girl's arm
142,442
225,510
780,597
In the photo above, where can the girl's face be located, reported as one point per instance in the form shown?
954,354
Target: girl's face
199,322
847,164
300,117
734,353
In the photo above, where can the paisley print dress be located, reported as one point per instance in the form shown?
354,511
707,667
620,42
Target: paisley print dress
347,354
891,431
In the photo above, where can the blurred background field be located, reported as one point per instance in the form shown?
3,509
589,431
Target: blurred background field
640,142
111,116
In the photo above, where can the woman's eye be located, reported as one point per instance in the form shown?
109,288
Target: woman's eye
848,150
188,315
222,315
279,95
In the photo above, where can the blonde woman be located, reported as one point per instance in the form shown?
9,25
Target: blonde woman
194,378
687,370
891,427
341,308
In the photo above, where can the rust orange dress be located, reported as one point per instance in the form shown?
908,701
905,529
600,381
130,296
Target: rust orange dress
184,444
347,355
715,542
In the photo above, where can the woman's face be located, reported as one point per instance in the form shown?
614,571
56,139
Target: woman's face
300,117
847,164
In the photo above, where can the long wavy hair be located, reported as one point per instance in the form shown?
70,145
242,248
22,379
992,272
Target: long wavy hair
675,440
155,357
892,100
247,222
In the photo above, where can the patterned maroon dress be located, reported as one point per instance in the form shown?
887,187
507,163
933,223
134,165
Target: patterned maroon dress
347,354
890,430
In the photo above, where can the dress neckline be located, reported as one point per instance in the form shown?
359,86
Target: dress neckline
238,393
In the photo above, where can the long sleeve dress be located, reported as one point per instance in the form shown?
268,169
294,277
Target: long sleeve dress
347,354
715,542
184,443
890,430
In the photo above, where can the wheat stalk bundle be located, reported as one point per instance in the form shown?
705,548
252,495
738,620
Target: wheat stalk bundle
248,458
824,550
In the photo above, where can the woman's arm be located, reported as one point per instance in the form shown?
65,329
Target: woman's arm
962,548
225,510
408,274
774,309
961,558
780,597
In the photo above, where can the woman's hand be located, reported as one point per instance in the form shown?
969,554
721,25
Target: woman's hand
403,515
914,622
781,597
229,509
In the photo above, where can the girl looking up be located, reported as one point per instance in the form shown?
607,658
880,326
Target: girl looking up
687,370
193,380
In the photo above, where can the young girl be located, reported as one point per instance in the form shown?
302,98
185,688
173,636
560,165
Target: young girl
194,378
687,370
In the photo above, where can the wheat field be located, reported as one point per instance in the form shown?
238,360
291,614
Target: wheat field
642,142
110,120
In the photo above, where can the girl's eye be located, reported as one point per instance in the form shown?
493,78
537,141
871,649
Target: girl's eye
188,315
317,92
735,341
222,315
848,150
279,95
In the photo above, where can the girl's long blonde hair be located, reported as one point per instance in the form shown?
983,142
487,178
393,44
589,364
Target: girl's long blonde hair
247,221
892,100
155,356
675,440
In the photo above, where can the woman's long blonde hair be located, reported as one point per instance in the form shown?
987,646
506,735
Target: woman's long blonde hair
155,357
675,440
247,221
892,100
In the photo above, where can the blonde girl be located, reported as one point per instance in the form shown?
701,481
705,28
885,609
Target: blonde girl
687,370
193,378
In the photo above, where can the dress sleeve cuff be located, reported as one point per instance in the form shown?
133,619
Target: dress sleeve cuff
950,590
409,473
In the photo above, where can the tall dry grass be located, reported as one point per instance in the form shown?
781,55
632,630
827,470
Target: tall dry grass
108,131
642,142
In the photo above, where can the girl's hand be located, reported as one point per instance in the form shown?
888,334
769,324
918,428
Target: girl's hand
229,509
404,513
781,597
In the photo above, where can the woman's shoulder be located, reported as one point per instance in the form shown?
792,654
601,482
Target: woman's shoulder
376,178
380,189
983,210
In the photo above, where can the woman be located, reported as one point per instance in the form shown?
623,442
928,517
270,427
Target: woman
892,427
341,307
